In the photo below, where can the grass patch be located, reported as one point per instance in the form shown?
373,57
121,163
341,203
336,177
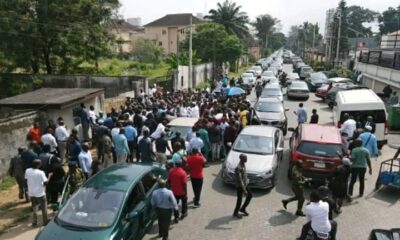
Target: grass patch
240,71
7,183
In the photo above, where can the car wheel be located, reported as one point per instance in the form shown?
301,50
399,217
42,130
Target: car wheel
307,98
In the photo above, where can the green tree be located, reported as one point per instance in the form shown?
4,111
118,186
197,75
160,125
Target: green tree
146,51
304,36
229,15
277,40
55,35
356,18
389,20
171,60
265,25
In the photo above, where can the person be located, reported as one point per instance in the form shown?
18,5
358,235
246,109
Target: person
16,170
85,160
317,213
178,138
314,117
164,202
195,164
92,115
215,134
85,120
46,157
73,149
28,156
394,99
349,126
146,148
297,188
243,116
121,146
76,177
370,122
301,114
242,187
195,110
161,149
56,179
95,167
107,149
62,135
37,180
98,132
131,135
177,179
196,142
160,128
339,184
325,195
35,133
49,139
360,160
387,91
259,89
230,135
369,141
206,149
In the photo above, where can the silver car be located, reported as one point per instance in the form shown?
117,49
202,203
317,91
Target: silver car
264,148
272,91
298,89
271,112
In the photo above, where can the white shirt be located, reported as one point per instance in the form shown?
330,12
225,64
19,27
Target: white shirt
157,133
349,126
195,112
183,111
189,111
92,116
61,133
85,160
48,139
318,214
36,179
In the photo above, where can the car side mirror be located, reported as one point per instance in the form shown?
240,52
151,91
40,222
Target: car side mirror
291,129
279,149
132,215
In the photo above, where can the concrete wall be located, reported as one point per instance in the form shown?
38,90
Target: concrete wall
200,73
13,135
376,77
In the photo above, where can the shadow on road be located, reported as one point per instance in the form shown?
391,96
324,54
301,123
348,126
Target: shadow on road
282,218
385,194
218,223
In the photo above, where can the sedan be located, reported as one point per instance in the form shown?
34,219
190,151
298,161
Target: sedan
113,204
316,80
272,91
271,112
298,89
248,78
264,148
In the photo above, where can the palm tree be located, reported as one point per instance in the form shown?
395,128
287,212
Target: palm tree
229,15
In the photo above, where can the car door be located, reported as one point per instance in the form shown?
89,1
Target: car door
132,216
149,183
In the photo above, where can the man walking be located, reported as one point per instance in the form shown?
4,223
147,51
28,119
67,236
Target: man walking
369,141
121,146
177,179
215,134
164,202
131,135
195,164
360,160
242,183
37,181
314,117
85,121
146,148
16,171
259,89
297,188
301,114
62,138
161,149
85,160
49,139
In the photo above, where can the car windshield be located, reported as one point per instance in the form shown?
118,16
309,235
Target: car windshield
271,92
182,129
318,77
298,85
253,144
247,75
268,74
320,149
91,208
269,107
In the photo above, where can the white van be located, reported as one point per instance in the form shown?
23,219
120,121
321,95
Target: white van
360,104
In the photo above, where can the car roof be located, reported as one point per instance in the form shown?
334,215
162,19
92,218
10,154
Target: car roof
269,99
118,177
265,131
183,121
360,96
320,133
339,79
273,86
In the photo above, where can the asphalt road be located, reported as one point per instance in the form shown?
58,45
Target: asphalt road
268,219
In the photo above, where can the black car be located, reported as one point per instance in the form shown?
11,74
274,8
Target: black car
331,95
316,80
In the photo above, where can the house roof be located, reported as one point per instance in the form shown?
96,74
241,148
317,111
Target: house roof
182,19
51,97
125,26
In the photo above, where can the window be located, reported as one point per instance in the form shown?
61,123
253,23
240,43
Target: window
149,180
320,149
136,196
361,116
164,32
160,44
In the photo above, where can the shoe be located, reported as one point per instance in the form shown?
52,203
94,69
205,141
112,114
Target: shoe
183,216
361,195
300,214
176,220
284,204
244,213
236,215
197,205
21,196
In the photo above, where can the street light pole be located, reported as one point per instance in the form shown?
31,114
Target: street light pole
190,54
338,39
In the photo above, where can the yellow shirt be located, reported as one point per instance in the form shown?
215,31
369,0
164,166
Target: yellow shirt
243,118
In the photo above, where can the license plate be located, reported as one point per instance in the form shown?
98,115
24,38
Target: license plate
319,165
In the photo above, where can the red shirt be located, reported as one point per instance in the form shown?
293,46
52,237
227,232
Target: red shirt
177,179
35,134
196,165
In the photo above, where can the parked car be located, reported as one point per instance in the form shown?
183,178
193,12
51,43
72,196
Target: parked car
331,95
264,149
252,72
257,69
272,91
183,125
267,75
322,91
305,71
271,112
297,89
317,148
316,80
113,204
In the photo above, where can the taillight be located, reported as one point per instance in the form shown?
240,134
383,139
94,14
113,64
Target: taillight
386,128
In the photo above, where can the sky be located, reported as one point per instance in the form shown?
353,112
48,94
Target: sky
290,12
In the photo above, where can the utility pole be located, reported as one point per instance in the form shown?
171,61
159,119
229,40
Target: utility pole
338,38
313,37
190,54
175,85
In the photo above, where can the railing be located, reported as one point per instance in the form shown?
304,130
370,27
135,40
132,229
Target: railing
381,59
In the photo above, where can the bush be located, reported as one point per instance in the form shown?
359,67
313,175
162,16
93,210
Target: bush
340,72
203,85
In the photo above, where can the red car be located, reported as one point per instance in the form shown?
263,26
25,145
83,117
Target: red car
317,148
323,91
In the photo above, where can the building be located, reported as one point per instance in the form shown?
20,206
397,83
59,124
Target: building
55,103
167,30
137,21
126,34
392,40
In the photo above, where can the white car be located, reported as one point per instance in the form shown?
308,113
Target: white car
257,69
248,78
267,76
182,124
263,146
272,90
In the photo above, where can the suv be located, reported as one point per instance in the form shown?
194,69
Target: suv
271,112
317,148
